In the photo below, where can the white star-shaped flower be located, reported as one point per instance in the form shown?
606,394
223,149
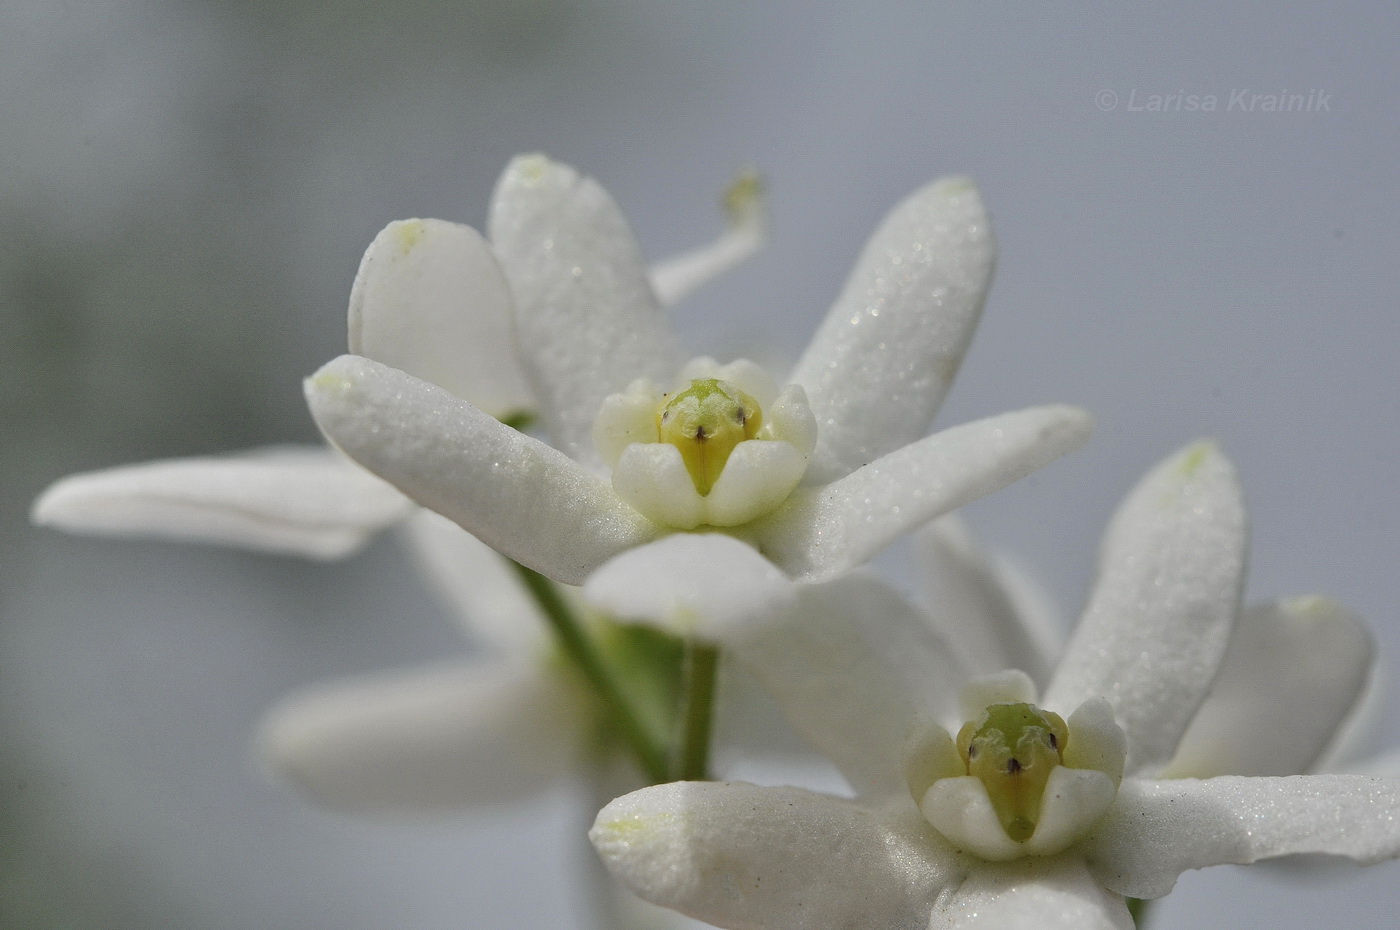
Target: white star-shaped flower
818,475
1025,812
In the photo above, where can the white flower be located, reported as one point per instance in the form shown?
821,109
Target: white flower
595,345
934,841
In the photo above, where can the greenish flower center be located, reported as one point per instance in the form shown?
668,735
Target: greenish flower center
1013,748
705,422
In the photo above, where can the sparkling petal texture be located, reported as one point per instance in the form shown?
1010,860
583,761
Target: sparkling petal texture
586,319
308,502
430,299
883,359
427,740
1159,829
1294,671
750,858
1159,619
1036,894
820,533
514,493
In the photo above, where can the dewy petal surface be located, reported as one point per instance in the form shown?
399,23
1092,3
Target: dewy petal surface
586,319
883,359
1159,619
1294,671
1159,829
513,492
297,501
428,739
1034,894
821,532
430,299
751,858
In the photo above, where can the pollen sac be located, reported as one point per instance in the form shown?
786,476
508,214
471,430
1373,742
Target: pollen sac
706,421
1012,749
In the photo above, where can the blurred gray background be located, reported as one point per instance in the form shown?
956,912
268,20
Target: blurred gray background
185,190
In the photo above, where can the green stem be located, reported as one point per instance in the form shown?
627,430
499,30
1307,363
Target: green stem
691,761
1138,908
579,647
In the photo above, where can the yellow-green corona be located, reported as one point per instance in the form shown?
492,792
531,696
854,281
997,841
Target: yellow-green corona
1012,749
705,422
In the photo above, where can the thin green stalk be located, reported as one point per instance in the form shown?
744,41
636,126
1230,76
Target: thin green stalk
580,649
691,758
1138,908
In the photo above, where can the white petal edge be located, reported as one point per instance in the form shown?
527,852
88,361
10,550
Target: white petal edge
882,361
1031,894
819,533
427,740
740,856
1158,622
512,492
1159,829
293,501
430,299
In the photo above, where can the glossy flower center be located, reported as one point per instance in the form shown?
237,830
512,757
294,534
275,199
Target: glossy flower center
1012,749
705,422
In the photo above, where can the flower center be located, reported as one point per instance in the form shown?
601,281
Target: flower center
1012,749
705,422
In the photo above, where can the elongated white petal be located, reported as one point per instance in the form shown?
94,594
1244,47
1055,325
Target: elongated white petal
512,492
745,857
427,739
854,667
586,319
983,610
478,585
1159,619
819,533
430,299
746,233
887,352
308,502
1293,673
1159,829
1031,894
706,585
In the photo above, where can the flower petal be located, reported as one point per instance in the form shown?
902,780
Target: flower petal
883,359
746,233
741,856
478,584
1159,829
822,532
1160,616
430,299
586,319
854,667
427,740
759,476
652,478
308,502
512,492
1293,673
1031,894
987,613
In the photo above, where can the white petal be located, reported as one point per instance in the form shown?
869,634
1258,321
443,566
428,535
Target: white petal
586,319
1011,686
652,478
1095,740
478,584
512,492
790,419
677,277
1160,616
426,740
741,856
308,502
961,810
430,299
981,607
822,532
1159,829
887,352
705,585
1293,673
759,475
1073,802
1031,894
625,418
855,668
